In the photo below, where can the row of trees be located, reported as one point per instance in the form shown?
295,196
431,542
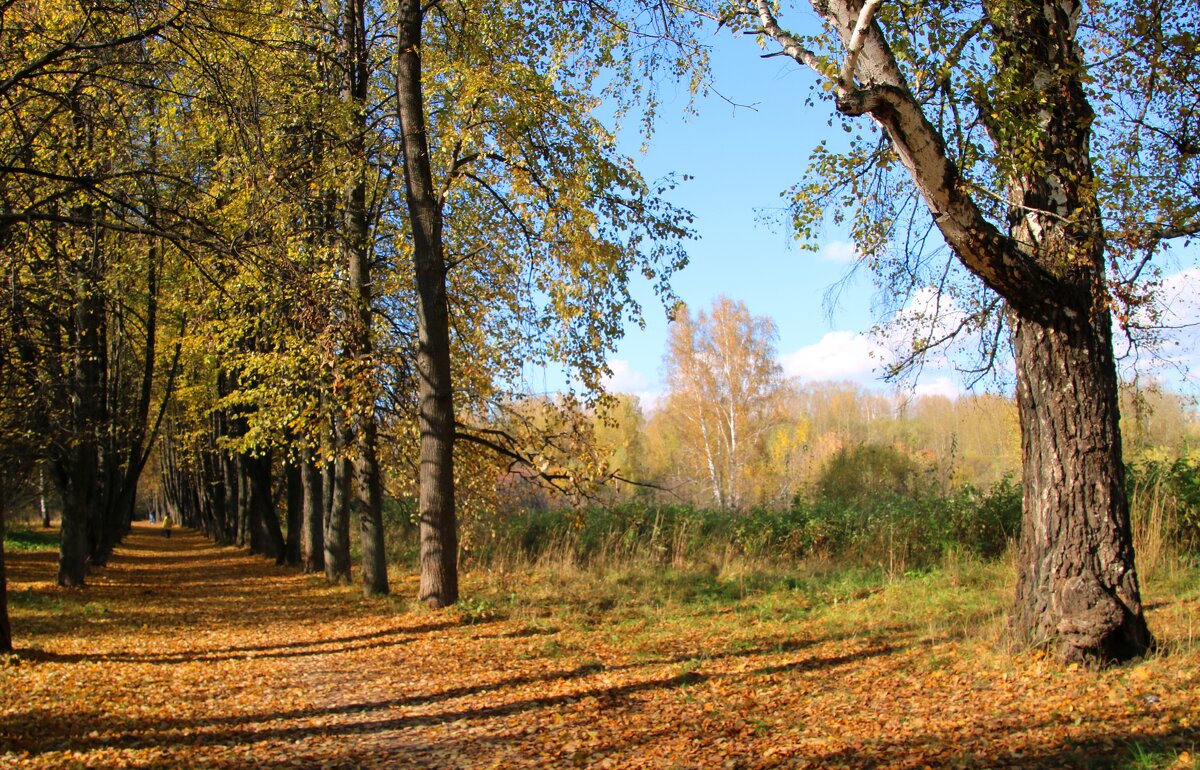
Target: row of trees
262,237
292,229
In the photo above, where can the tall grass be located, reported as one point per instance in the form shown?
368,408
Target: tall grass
1164,502
892,531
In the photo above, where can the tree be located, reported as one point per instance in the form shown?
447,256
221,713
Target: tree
725,388
83,206
1018,206
438,529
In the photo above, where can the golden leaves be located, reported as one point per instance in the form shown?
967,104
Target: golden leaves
207,657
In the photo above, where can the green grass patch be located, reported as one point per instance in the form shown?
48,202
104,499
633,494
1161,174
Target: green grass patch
31,540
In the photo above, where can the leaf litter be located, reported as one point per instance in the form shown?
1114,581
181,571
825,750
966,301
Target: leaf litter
198,655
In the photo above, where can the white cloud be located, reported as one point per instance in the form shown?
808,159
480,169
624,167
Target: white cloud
837,356
624,378
939,386
839,251
1180,298
1173,353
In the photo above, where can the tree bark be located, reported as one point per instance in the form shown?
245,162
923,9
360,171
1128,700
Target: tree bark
438,526
45,510
312,539
1077,589
266,536
5,627
337,529
1076,585
358,266
295,511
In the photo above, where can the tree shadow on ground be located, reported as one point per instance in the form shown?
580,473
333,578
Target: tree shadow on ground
97,730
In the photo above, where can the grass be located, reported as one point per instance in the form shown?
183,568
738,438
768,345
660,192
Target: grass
20,539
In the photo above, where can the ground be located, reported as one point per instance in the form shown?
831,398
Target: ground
182,653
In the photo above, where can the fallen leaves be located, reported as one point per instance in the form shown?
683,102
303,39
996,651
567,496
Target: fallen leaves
205,657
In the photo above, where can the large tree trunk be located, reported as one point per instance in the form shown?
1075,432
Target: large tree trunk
1076,585
1077,588
438,527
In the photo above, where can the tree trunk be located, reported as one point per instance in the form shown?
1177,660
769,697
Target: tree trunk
73,538
45,510
438,527
358,266
312,539
295,510
1076,585
5,627
370,494
1077,589
337,530
266,536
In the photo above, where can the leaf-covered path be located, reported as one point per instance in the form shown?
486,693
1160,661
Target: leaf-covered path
187,654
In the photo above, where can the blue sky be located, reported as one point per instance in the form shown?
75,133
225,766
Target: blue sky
740,159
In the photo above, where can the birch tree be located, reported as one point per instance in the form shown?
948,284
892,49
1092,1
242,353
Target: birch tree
725,387
986,110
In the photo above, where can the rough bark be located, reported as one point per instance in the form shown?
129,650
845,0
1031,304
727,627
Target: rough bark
438,526
1077,589
1076,586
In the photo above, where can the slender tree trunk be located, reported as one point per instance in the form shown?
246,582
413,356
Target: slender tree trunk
45,511
370,494
5,627
438,526
312,540
358,267
244,502
295,510
232,491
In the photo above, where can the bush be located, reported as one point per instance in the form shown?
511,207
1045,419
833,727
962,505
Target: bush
895,530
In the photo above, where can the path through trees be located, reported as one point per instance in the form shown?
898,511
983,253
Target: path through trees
182,652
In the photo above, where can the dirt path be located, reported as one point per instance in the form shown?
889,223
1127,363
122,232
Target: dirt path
186,654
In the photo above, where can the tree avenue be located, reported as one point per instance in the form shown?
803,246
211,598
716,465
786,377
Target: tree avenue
265,241
309,252
986,109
